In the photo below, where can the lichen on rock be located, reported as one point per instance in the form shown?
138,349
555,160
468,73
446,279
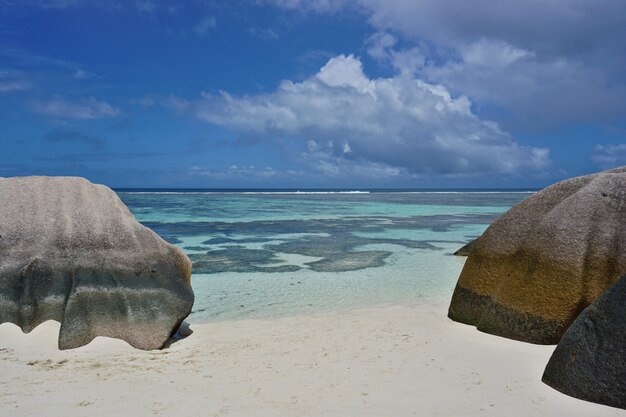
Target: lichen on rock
540,264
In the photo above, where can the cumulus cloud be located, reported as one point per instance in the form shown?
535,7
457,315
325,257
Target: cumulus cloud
554,27
380,46
536,92
567,66
334,161
387,126
84,109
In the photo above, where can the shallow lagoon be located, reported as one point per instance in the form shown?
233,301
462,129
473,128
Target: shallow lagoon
259,255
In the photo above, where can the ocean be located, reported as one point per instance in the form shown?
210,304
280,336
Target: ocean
268,253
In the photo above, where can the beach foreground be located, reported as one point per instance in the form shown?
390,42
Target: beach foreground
387,361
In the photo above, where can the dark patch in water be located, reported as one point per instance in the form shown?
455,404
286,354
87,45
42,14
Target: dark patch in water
196,248
222,240
338,253
327,246
236,259
352,261
263,230
339,248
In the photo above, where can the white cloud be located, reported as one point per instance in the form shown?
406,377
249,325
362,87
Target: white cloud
566,66
146,101
316,6
380,46
204,25
236,173
12,81
391,125
609,156
492,53
13,85
84,109
324,159
556,27
535,93
267,34
345,71
80,74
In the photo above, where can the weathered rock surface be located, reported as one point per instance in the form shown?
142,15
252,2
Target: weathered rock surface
590,361
539,265
71,251
466,249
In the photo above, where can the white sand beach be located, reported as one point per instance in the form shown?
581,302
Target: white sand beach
388,361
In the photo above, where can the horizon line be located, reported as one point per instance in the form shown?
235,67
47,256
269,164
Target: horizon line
345,189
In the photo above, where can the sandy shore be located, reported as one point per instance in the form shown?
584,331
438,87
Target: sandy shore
391,361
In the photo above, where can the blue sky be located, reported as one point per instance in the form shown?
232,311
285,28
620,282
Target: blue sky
318,93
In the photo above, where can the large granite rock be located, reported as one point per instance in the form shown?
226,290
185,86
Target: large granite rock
590,361
71,251
539,265
466,249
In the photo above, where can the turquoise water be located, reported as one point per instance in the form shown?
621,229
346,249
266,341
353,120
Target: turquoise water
259,255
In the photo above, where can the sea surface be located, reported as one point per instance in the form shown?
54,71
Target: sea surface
267,253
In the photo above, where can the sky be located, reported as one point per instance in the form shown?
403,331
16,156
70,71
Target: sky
313,93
